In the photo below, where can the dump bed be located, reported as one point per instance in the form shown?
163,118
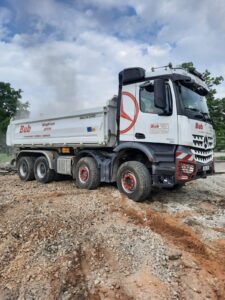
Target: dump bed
87,128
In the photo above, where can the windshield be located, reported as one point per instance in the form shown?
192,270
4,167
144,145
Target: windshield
192,100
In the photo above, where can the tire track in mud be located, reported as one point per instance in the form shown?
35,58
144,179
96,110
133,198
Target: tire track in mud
209,257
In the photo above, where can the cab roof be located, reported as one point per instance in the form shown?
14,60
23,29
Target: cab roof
133,75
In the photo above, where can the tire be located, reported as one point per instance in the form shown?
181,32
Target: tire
134,180
42,172
25,168
87,174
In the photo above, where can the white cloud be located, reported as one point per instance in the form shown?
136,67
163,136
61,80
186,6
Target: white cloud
72,54
65,76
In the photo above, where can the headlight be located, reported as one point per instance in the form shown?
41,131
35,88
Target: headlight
187,168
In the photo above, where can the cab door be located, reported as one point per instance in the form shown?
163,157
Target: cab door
129,109
151,125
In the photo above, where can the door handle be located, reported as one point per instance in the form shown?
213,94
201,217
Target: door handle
139,135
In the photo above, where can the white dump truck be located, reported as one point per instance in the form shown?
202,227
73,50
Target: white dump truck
156,132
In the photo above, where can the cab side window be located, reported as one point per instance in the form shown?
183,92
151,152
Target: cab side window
147,99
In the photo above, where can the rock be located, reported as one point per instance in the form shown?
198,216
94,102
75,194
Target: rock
139,284
197,291
174,255
97,281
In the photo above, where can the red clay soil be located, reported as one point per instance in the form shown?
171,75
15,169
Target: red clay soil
210,258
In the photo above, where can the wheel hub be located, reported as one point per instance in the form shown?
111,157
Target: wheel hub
41,170
23,169
129,182
83,174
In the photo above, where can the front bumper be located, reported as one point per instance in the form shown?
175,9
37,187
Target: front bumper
168,175
201,170
204,170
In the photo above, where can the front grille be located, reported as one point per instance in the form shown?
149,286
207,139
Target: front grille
203,148
199,141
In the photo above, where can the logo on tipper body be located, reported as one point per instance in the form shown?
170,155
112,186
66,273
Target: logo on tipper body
25,128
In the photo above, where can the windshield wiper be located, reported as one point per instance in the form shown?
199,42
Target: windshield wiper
192,108
203,115
199,115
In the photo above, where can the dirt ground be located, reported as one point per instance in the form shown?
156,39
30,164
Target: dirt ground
58,242
220,166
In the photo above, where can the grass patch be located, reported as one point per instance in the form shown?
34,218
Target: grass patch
5,157
220,158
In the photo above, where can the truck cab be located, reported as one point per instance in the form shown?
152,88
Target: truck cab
167,112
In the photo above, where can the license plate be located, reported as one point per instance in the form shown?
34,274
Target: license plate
206,168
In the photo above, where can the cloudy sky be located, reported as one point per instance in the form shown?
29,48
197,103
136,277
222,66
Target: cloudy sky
66,55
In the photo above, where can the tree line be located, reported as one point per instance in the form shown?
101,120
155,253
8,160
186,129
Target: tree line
11,106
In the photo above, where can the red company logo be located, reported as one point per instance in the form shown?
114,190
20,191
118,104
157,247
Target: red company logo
25,128
131,119
154,126
198,126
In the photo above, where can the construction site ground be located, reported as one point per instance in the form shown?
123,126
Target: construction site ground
59,242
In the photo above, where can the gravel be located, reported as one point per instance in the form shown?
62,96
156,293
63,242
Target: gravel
58,242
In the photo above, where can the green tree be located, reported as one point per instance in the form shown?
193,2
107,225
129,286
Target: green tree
10,106
216,105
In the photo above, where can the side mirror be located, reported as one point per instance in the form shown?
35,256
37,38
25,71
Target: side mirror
160,93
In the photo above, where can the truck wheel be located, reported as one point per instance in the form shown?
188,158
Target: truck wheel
87,173
25,168
42,172
134,180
